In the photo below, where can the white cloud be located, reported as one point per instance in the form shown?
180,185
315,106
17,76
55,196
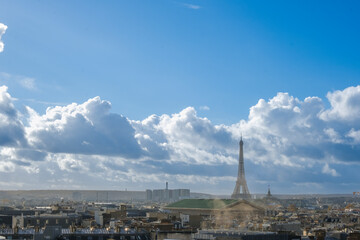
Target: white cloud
66,129
283,131
70,162
11,128
192,6
333,135
345,106
327,170
6,166
28,83
355,134
204,108
3,28
23,81
185,137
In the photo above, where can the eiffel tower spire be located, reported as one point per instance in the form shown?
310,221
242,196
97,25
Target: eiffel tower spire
241,190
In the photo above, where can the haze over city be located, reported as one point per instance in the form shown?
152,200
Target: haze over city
129,95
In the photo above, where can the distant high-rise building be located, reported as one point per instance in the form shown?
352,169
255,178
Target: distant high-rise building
167,195
148,194
241,189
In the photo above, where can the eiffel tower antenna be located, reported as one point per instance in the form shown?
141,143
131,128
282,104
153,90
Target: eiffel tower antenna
241,190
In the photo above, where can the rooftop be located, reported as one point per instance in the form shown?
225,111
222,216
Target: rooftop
202,203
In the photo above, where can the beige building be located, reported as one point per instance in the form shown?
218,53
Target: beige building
218,213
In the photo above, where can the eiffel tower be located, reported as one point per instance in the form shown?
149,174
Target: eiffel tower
241,181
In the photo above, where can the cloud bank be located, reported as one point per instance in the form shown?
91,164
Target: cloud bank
86,128
296,145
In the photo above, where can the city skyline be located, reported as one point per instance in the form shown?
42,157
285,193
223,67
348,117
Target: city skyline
129,95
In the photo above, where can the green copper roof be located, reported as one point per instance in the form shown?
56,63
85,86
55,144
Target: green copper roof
202,203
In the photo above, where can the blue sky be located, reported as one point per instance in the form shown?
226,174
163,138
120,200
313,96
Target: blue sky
202,67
